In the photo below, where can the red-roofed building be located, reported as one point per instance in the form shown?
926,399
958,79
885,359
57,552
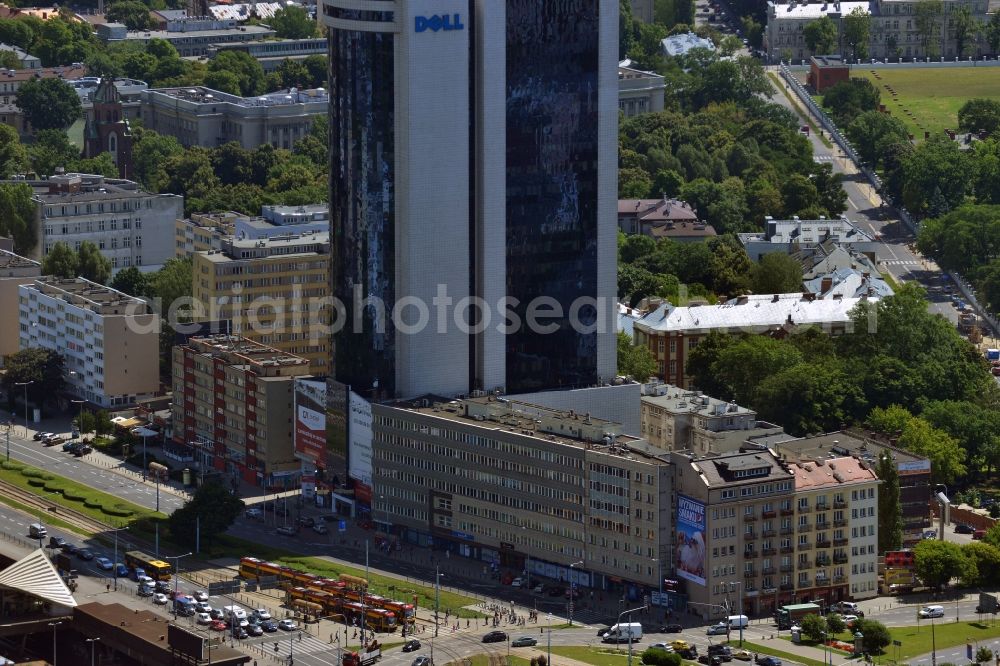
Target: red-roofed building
662,218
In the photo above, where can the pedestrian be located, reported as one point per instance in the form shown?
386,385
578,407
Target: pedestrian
108,587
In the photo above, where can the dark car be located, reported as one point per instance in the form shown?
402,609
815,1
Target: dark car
767,660
723,652
710,660
255,630
495,637
69,548
162,586
690,653
83,450
270,626
56,542
71,446
671,629
306,521
411,645
240,632
962,528
85,554
555,591
602,631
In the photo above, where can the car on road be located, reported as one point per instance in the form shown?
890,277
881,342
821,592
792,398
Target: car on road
241,633
720,629
144,590
69,548
495,637
320,528
306,521
83,450
203,607
538,589
850,619
56,542
931,611
710,660
262,614
200,595
517,582
217,614
287,530
671,629
217,625
160,599
203,618
270,626
680,645
962,528
524,641
68,446
768,660
602,631
287,625
661,646
411,645
162,586
691,653
255,512
85,554
255,630
723,652
104,563
742,655
422,660
38,436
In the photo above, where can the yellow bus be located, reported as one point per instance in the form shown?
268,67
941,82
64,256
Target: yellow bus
152,567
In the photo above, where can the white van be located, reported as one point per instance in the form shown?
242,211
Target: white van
624,632
235,614
931,611
37,531
738,621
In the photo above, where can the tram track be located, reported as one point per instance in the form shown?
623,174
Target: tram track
74,518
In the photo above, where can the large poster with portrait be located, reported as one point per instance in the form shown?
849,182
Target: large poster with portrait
691,560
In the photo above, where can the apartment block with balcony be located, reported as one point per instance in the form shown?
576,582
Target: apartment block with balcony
748,537
272,291
15,270
521,485
836,529
233,407
110,341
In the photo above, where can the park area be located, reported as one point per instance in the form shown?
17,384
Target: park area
928,99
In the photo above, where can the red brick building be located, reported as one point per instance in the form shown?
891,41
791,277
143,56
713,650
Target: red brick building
826,71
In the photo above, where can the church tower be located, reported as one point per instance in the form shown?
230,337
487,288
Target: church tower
107,129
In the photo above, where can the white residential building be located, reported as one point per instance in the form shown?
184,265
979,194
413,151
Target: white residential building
110,341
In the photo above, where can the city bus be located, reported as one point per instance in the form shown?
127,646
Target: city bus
154,568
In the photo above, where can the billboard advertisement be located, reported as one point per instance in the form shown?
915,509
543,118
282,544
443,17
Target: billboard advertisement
336,418
359,452
310,421
691,555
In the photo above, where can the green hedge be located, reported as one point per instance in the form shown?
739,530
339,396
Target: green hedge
11,465
92,504
119,510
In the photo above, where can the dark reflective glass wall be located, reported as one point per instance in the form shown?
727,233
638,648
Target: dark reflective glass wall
552,184
362,205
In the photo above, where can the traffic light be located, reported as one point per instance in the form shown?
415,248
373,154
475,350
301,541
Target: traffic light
275,647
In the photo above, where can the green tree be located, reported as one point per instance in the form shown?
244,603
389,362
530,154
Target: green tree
86,422
870,132
926,21
317,66
134,14
293,74
91,264
13,155
776,273
633,247
16,33
49,103
61,261
102,163
9,60
986,560
131,281
814,626
847,99
51,150
979,114
809,397
937,163
876,636
42,367
17,216
634,360
747,362
244,66
984,655
947,458
212,507
857,29
937,562
890,510
992,32
150,153
966,28
989,285
821,35
835,623
293,22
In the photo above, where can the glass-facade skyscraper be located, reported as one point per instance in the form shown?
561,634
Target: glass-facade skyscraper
473,156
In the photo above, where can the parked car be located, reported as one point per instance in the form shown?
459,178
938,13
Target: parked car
83,450
723,652
160,599
495,637
85,554
144,591
287,625
538,589
411,645
517,582
719,629
68,446
768,660
218,625
524,641
979,534
422,660
320,528
306,521
602,631
38,436
270,626
241,633
690,653
287,530
962,528
255,512
671,629
742,655
710,660
104,563
679,645
661,646
203,618
255,630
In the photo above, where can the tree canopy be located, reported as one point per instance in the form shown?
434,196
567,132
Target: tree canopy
212,508
293,22
43,368
49,103
821,35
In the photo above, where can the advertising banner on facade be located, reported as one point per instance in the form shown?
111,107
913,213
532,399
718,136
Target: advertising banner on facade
690,524
360,440
310,421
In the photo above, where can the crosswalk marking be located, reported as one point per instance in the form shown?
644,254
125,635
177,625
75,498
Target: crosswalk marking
900,262
822,158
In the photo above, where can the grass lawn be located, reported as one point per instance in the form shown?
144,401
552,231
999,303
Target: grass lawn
395,588
45,517
845,637
917,640
932,96
784,656
596,656
99,505
891,281
484,660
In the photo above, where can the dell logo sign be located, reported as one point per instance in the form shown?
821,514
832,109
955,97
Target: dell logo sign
438,22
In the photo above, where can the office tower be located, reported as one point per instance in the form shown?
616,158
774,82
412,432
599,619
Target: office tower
473,154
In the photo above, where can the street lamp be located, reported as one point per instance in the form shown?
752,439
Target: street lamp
116,531
92,641
54,625
177,561
629,613
437,601
572,589
740,583
79,421
25,385
825,649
